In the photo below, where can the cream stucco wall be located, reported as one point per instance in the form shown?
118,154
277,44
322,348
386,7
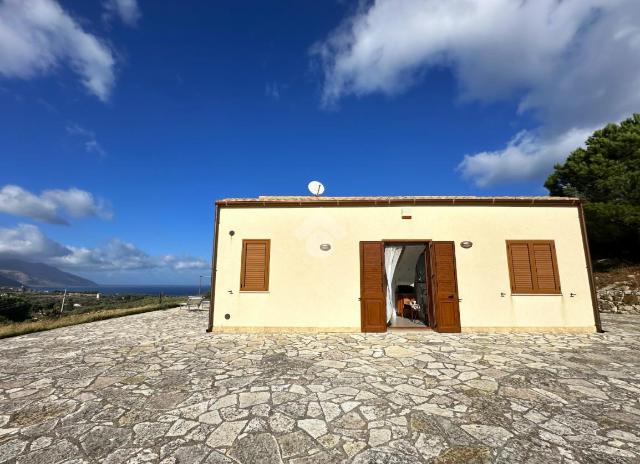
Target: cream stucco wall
311,288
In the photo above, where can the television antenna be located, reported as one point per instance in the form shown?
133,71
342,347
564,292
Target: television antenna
316,188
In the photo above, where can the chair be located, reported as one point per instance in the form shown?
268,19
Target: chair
194,301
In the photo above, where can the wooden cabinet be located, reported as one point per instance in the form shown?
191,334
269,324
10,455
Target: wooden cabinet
401,300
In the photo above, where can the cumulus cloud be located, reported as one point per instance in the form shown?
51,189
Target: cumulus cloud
37,36
573,64
526,156
26,241
52,206
127,10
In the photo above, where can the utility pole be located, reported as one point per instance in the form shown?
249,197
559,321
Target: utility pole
64,297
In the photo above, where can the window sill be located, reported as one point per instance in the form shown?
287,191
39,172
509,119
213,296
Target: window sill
536,294
254,291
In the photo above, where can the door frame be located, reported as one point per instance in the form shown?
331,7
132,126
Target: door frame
426,242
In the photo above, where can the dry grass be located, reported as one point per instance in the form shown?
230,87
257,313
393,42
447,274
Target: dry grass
22,328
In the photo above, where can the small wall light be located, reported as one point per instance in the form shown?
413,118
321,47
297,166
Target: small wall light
466,244
325,247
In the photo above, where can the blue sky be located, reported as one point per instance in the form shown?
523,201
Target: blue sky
123,120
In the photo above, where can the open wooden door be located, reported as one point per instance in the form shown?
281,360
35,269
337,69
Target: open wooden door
373,306
445,286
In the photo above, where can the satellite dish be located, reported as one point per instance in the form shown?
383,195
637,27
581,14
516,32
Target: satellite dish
316,188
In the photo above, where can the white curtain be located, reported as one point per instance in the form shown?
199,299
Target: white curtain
391,257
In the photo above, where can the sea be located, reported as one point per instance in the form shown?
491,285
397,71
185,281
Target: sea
175,290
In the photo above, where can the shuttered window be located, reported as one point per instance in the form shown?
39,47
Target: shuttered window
533,267
254,274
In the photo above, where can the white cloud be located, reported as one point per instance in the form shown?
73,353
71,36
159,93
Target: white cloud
183,263
127,10
37,36
52,206
26,241
91,144
573,64
526,156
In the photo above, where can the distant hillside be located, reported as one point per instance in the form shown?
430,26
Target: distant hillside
38,275
7,282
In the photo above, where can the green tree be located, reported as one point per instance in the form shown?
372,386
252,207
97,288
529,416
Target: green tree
606,176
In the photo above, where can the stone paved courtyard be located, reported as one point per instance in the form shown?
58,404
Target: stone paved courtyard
156,388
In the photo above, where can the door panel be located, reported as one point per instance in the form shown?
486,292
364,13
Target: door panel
445,287
373,309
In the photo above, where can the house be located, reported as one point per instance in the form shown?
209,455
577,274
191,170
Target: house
372,264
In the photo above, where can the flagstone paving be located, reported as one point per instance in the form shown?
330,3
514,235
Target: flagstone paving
156,388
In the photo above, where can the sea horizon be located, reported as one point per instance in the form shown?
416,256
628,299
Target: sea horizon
129,289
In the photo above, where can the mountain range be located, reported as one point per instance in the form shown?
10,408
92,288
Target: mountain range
15,272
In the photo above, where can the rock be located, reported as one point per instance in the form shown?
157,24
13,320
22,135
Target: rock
484,385
261,448
399,352
57,452
295,444
464,454
251,399
188,454
181,427
314,427
11,449
225,434
491,435
103,439
212,418
149,431
330,410
379,436
281,423
351,420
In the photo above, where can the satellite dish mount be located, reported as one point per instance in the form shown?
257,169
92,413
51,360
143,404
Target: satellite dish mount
316,188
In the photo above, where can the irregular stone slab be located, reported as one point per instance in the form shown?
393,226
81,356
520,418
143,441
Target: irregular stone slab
12,448
491,435
188,454
53,454
314,427
148,432
251,399
181,427
379,436
103,439
225,434
295,444
464,454
399,352
261,448
281,423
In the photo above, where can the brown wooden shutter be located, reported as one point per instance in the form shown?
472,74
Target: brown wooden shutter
373,306
533,267
254,274
545,267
